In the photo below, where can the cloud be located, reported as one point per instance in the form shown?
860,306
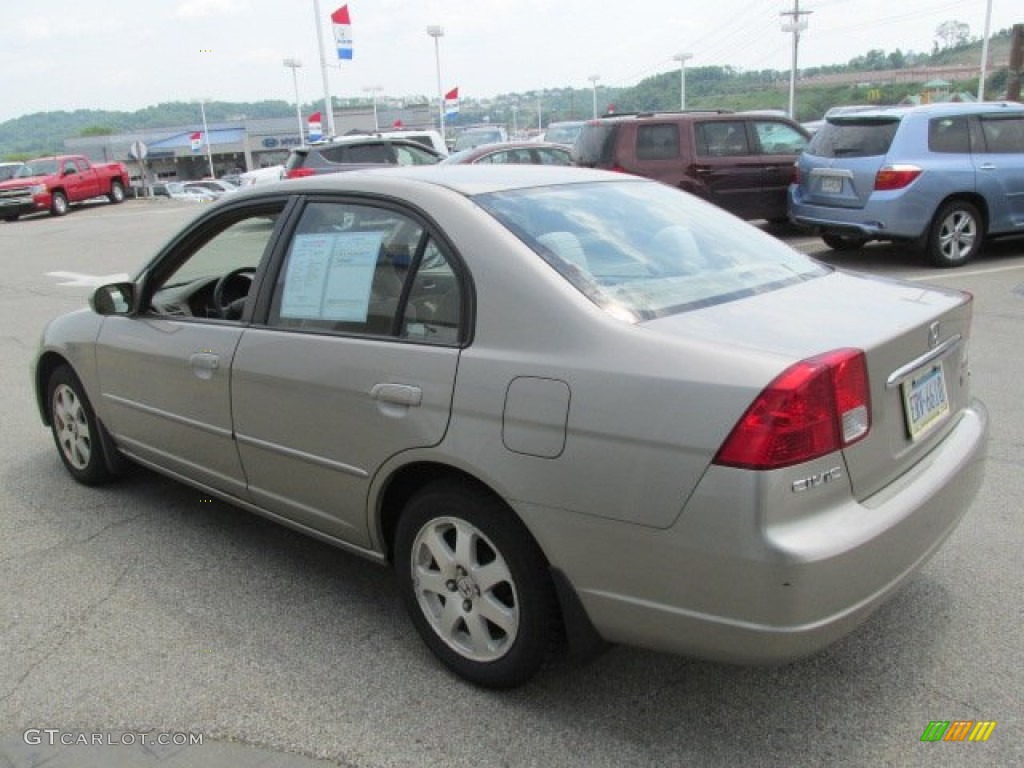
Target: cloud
200,9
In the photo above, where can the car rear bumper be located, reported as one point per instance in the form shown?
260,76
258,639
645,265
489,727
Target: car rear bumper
723,583
886,216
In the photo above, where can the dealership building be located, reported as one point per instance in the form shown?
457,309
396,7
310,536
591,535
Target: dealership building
230,146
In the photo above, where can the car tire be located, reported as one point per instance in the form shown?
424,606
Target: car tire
58,204
476,585
75,428
839,242
956,234
13,217
116,194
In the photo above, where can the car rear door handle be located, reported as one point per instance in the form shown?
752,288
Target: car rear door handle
397,394
987,167
203,364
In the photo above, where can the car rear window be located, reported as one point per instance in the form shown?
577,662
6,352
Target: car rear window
949,135
643,250
594,145
854,136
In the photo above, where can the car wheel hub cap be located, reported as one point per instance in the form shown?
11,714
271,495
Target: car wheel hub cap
71,427
465,589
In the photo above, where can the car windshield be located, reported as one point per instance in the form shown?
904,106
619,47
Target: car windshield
854,136
45,167
470,139
643,250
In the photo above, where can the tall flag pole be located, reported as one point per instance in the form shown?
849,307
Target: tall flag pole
451,103
328,106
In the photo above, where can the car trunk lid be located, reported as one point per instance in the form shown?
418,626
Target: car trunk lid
914,339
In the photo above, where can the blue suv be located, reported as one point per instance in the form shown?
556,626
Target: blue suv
940,177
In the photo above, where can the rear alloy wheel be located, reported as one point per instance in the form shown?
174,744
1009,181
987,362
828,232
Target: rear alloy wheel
75,429
843,242
955,235
58,204
116,194
476,585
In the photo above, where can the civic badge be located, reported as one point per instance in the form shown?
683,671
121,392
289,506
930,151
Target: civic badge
933,335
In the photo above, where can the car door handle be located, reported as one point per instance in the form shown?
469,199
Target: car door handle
203,364
987,167
397,394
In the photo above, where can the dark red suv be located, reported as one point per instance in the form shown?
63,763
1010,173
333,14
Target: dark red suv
740,161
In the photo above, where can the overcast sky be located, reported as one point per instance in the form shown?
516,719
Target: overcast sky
129,54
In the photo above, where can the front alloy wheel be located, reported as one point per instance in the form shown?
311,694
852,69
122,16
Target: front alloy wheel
476,585
75,429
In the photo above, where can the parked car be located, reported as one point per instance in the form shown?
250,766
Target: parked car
216,187
177,190
517,153
740,162
475,135
54,183
564,132
348,153
939,178
814,126
556,401
259,176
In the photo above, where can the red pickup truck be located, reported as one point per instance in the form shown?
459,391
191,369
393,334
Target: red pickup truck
53,183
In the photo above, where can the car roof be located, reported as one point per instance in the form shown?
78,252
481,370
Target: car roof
937,110
467,180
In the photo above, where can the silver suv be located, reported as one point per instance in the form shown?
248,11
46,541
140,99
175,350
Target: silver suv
940,178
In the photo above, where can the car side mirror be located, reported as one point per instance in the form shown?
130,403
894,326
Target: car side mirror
113,299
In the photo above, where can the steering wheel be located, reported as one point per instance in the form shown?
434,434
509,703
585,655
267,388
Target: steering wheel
231,309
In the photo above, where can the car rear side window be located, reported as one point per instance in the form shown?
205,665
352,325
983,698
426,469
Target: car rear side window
657,141
722,138
1004,135
368,271
949,135
854,137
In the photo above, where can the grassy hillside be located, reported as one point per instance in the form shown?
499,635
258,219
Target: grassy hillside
706,87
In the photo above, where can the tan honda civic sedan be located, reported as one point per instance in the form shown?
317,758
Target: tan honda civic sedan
568,407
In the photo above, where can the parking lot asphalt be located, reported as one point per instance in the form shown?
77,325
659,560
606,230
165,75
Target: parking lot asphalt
136,608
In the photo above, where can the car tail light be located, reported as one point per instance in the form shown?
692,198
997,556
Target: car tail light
895,176
813,408
298,173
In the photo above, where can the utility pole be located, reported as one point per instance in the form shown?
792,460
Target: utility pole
795,26
984,52
1016,63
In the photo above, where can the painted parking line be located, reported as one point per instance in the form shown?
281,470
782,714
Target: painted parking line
82,280
958,273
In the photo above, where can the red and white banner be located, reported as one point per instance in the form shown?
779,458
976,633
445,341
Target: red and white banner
315,127
342,32
451,102
197,141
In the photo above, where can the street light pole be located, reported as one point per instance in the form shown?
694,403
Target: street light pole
682,58
295,64
437,33
984,52
373,89
593,82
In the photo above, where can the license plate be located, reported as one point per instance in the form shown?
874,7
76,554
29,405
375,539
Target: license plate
831,185
925,401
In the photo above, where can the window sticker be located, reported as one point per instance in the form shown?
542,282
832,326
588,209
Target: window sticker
329,276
